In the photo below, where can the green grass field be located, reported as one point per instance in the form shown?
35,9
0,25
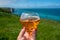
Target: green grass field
10,27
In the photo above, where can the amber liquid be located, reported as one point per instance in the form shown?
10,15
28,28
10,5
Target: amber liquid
30,24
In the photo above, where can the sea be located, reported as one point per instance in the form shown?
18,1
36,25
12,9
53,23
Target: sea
48,13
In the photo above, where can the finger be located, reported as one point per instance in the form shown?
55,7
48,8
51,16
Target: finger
22,38
26,35
34,33
25,38
22,32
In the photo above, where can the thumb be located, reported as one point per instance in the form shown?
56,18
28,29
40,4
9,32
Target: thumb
21,33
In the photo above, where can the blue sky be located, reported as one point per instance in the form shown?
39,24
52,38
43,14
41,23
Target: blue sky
30,3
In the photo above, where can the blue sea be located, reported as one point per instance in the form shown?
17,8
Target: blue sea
48,13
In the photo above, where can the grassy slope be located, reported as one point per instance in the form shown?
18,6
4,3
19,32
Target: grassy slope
10,27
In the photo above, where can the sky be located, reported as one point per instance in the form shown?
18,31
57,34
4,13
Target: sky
30,3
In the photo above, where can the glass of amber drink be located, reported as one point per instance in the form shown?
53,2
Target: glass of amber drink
30,21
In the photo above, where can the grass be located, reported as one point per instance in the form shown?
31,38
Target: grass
10,27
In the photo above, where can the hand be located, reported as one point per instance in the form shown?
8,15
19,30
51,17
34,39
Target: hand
25,36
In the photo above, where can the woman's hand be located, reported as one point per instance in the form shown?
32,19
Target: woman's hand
25,36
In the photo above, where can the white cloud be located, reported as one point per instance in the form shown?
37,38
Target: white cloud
5,3
26,4
48,5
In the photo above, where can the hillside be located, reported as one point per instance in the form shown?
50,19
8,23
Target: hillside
10,27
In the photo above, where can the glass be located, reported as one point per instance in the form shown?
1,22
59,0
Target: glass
30,21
